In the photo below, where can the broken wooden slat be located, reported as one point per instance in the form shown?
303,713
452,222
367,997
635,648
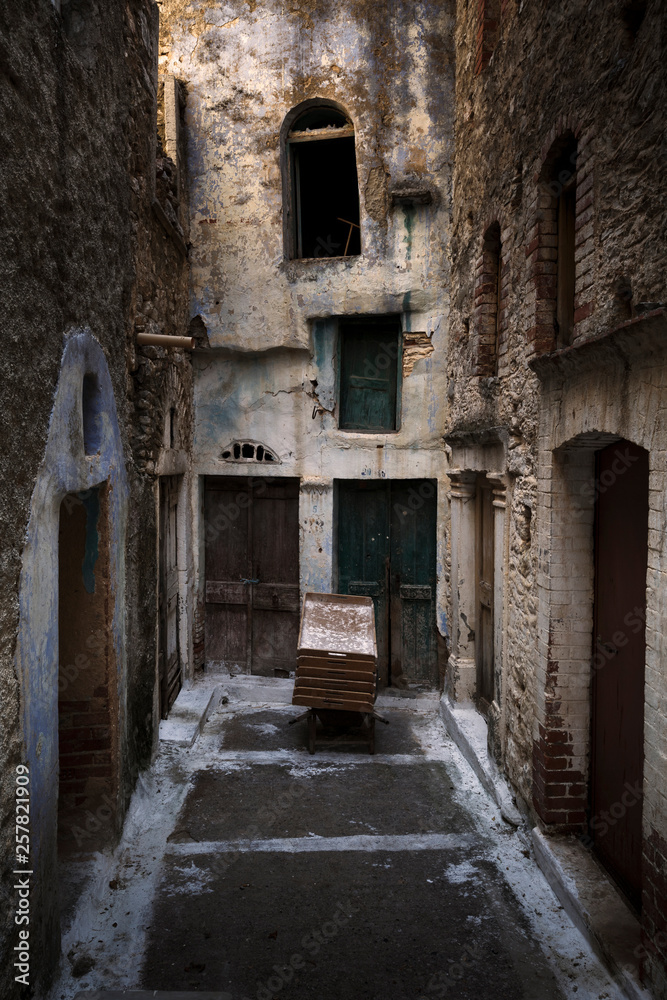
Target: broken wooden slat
346,132
332,684
340,704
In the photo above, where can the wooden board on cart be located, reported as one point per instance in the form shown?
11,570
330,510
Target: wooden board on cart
338,627
336,674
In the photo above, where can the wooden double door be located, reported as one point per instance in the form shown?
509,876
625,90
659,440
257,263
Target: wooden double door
251,530
386,550
621,548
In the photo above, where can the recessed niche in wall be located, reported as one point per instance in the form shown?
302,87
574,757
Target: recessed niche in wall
249,451
91,404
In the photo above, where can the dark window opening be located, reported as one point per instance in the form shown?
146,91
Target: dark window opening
324,186
369,368
633,15
566,212
237,451
248,451
172,427
488,298
91,403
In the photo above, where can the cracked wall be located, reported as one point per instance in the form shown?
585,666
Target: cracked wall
271,372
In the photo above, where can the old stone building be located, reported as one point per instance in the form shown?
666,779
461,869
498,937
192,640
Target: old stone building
96,437
556,363
319,151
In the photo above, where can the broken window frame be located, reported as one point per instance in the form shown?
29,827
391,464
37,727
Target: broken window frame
349,323
292,138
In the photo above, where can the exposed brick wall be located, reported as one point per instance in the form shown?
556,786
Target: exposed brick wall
565,622
84,742
488,26
584,298
542,241
654,909
490,303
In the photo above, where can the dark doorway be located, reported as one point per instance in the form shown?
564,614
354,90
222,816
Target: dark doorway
386,550
252,574
168,655
485,575
87,736
621,539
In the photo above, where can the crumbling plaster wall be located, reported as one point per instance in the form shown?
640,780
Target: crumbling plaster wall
270,376
575,63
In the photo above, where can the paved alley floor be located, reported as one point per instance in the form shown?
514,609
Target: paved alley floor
251,867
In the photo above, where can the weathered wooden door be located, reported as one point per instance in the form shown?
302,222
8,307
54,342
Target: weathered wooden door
168,655
485,569
369,373
252,574
363,553
386,550
621,538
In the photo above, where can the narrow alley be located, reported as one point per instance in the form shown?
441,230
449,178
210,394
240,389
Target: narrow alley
342,305
251,868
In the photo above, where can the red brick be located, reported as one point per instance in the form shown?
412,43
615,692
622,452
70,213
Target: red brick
583,312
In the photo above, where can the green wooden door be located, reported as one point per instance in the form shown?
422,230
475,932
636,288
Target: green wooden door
414,651
363,553
386,550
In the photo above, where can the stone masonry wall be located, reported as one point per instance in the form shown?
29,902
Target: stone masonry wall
81,246
595,70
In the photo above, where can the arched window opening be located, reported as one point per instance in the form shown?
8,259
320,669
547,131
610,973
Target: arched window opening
91,405
322,186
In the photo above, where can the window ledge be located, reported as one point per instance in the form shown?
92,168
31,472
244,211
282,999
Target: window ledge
642,337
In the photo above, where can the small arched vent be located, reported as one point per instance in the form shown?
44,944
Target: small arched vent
249,451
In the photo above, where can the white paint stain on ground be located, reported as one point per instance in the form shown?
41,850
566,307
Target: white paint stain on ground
464,872
110,925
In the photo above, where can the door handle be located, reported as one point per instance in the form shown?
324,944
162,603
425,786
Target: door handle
243,580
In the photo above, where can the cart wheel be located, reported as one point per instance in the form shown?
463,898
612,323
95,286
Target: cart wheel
312,725
371,735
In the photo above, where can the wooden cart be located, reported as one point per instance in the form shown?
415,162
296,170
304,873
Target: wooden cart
336,675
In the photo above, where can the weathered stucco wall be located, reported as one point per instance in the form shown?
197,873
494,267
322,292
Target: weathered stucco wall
270,375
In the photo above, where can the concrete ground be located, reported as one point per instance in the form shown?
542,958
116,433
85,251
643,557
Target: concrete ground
250,867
